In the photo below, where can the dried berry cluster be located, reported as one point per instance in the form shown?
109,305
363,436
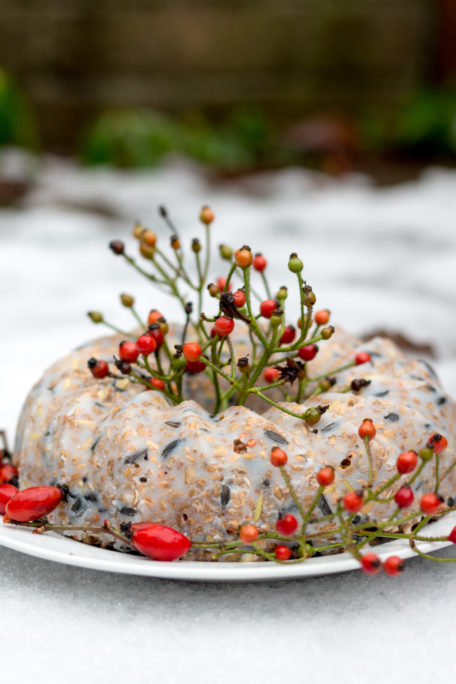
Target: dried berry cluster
278,354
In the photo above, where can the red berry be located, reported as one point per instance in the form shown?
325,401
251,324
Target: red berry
33,503
430,503
154,316
146,344
271,375
157,333
367,429
404,496
259,262
157,383
325,476
267,307
393,566
287,525
362,357
308,352
353,502
128,351
282,553
160,542
239,299
321,317
371,564
192,351
278,457
288,335
451,536
221,282
98,368
223,326
195,366
437,442
7,473
7,491
407,462
248,534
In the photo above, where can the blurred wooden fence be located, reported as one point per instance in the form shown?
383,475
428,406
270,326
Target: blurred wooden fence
77,57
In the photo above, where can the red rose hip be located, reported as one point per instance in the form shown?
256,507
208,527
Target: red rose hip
157,333
451,536
146,344
195,366
278,457
7,473
33,503
282,553
157,383
223,326
98,368
430,503
259,262
362,357
248,534
192,351
221,282
404,497
353,502
325,476
437,442
160,542
239,298
7,491
367,429
393,566
308,352
321,317
407,462
371,564
288,335
271,375
154,316
287,525
267,307
128,351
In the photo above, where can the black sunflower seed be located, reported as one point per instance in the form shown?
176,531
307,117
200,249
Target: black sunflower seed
134,457
225,495
393,417
169,448
275,437
324,506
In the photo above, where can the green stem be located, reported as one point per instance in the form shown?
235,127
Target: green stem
291,489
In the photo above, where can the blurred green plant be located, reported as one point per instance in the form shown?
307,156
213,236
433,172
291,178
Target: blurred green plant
423,127
129,138
17,123
141,138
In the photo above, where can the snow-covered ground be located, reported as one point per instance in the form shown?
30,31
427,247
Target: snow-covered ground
378,258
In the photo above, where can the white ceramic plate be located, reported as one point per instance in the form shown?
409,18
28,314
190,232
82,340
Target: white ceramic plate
54,547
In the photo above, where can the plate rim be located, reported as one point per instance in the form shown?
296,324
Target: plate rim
64,550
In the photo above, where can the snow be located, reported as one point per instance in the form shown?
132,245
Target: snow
378,258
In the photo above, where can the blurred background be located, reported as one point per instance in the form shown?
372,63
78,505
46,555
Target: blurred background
236,85
320,126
